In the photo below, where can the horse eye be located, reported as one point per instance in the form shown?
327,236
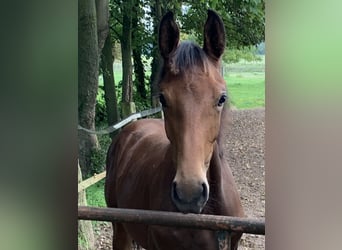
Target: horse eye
222,100
162,100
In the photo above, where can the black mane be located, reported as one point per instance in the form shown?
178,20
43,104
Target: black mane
188,56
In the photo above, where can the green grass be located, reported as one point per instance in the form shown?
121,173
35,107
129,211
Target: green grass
95,195
246,89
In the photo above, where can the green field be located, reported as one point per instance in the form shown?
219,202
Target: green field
246,89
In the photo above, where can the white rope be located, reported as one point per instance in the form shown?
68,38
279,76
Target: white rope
122,123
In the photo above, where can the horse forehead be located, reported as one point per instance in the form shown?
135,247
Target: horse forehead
200,84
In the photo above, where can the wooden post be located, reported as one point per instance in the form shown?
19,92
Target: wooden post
86,239
128,108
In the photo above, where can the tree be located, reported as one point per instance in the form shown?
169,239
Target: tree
244,20
88,68
105,46
109,83
138,40
92,32
126,51
157,11
102,21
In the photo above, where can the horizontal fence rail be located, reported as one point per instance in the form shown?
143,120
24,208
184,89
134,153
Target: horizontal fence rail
122,123
90,181
173,219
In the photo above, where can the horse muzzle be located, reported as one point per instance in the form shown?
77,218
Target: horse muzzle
190,198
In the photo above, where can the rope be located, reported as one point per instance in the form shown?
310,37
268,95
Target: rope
122,123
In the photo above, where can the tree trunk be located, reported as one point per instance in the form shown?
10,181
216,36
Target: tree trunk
156,61
139,71
102,18
88,69
109,83
85,228
126,51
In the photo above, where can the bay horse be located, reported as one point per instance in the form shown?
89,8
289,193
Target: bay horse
177,164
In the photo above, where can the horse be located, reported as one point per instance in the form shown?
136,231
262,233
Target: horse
177,164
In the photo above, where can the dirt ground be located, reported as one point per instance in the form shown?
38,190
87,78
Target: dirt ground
245,146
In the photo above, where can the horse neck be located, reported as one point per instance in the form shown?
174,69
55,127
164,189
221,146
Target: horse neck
215,180
224,125
218,163
215,168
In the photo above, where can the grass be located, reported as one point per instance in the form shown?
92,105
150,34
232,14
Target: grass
246,89
95,194
95,197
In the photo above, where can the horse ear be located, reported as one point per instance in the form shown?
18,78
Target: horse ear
168,35
214,36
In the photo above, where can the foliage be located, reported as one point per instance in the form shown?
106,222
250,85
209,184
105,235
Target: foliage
82,242
235,55
98,157
100,108
141,103
244,20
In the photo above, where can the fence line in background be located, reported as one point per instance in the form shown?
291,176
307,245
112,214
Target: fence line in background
174,219
122,123
90,181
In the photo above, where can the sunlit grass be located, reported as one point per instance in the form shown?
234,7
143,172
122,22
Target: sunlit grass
246,89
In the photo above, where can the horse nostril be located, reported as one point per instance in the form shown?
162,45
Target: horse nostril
174,191
204,190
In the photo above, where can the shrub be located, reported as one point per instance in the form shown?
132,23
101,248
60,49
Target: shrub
235,55
98,157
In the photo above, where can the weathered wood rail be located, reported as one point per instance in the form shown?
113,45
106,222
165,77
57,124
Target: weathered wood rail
173,219
90,181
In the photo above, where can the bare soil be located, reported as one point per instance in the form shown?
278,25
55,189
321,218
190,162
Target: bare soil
245,147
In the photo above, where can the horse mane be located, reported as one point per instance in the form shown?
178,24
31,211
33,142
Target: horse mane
187,58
